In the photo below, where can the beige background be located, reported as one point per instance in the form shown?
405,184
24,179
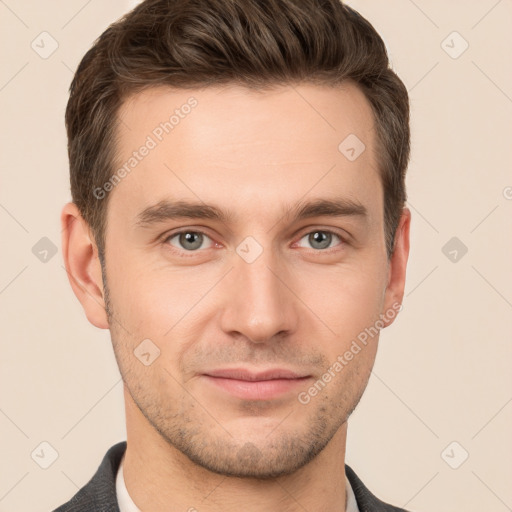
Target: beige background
443,369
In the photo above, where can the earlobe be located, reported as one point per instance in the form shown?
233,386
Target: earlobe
397,269
82,264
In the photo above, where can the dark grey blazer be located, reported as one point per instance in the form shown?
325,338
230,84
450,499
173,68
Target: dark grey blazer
99,494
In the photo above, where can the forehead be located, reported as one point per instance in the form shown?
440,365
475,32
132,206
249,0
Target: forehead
250,150
327,112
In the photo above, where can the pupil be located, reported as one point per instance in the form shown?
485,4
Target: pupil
192,240
321,238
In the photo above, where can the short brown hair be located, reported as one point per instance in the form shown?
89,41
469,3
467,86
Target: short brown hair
254,43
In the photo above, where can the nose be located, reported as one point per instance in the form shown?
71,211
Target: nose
259,304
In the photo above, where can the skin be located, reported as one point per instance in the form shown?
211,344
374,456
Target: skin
298,306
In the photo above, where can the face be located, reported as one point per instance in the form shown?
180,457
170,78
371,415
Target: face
245,255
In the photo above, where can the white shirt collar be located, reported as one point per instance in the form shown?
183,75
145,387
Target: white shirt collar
351,503
126,503
124,500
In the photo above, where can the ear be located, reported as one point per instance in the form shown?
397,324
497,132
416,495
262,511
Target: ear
82,264
397,268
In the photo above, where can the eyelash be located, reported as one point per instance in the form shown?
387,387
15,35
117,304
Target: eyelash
187,254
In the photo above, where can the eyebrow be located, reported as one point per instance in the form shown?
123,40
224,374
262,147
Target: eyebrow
172,210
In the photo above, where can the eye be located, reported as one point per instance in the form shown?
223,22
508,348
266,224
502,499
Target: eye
321,239
189,240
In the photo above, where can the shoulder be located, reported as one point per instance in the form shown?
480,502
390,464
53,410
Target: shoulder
99,494
366,501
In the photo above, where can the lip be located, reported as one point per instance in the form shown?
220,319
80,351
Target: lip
256,385
248,375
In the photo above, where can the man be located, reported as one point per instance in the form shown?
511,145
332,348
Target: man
238,223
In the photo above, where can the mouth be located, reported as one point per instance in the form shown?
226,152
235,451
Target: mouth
251,385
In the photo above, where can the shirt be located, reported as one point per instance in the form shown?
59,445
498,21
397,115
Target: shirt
126,503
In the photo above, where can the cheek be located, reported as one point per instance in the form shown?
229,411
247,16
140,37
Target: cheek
346,298
156,303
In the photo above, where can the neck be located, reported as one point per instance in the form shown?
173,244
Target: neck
159,477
